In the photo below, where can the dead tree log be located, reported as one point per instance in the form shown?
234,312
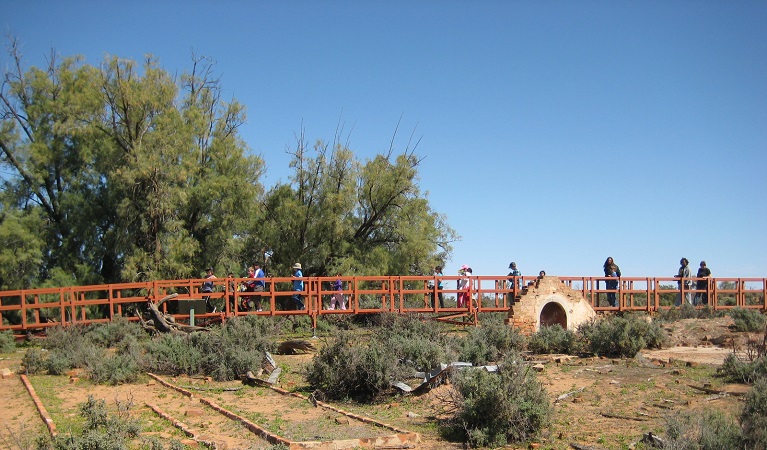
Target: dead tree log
165,323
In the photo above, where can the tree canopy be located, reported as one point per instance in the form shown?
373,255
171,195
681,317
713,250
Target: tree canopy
123,172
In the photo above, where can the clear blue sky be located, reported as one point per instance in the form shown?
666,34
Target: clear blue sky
555,133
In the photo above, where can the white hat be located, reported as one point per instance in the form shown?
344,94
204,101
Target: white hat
297,265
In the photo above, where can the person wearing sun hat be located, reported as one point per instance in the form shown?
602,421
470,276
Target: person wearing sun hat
298,286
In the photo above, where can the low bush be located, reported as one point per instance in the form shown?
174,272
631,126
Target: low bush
621,336
554,339
495,409
7,342
748,320
111,333
489,341
753,419
420,344
708,430
345,369
35,361
738,371
102,430
114,370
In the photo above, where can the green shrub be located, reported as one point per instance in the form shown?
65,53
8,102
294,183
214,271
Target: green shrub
35,361
747,320
494,409
345,369
421,344
114,370
554,339
708,430
735,370
111,333
753,419
489,341
102,430
621,336
7,342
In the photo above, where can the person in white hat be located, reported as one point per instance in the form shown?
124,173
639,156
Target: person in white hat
298,286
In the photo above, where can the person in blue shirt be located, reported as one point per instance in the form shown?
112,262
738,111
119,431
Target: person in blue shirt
298,286
258,285
207,288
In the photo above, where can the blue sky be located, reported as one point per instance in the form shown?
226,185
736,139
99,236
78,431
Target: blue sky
554,133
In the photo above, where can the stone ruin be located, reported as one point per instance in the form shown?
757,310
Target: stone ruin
548,301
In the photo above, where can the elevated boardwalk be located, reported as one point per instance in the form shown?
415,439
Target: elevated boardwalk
32,310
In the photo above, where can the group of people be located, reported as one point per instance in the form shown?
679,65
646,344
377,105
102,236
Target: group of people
684,274
256,283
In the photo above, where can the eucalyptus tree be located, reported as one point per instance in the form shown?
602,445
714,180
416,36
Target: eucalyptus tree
186,185
123,171
340,214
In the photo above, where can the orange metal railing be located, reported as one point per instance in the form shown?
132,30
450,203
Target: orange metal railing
35,309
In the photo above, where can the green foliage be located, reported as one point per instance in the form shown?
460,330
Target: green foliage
748,320
735,370
22,251
420,344
621,336
102,430
225,353
344,369
340,214
554,339
7,342
495,409
111,333
753,419
122,170
488,342
34,361
114,370
708,430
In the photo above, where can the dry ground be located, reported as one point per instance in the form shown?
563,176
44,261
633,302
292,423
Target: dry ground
617,400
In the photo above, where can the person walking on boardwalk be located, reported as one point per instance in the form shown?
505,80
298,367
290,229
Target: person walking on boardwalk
298,286
612,271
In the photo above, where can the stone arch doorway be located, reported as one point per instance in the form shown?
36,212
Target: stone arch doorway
553,314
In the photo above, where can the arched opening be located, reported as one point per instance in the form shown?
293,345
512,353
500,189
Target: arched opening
553,314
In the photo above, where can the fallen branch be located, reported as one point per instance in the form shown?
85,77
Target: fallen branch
584,447
569,394
616,416
715,391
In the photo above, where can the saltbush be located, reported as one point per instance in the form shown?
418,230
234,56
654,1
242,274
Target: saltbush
421,344
753,419
738,371
489,341
111,333
35,361
346,369
554,339
495,409
621,336
747,320
102,430
707,430
7,342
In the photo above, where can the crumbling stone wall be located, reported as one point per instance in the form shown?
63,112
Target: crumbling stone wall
548,301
